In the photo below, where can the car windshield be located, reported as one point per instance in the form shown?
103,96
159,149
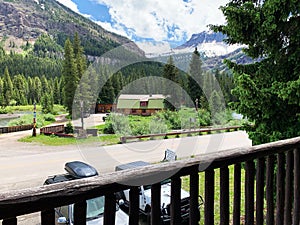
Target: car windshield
95,207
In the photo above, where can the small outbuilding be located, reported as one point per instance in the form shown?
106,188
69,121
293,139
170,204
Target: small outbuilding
144,105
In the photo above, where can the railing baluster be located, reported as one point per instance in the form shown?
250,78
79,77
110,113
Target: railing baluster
270,190
155,204
237,195
296,211
48,217
134,206
10,221
175,201
288,188
194,195
209,197
110,209
224,195
80,213
260,184
280,181
249,192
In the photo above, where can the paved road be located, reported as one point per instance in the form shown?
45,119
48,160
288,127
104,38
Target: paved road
25,165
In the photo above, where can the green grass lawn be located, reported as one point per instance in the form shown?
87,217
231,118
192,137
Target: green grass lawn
59,141
185,186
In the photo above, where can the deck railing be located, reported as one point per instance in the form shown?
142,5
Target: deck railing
269,173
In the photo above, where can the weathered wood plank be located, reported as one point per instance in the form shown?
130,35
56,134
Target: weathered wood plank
194,195
280,181
155,204
237,195
224,196
134,206
270,190
80,213
260,184
48,217
209,197
289,188
249,192
175,201
296,211
110,209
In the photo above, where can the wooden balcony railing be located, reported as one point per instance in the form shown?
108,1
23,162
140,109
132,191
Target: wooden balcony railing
271,175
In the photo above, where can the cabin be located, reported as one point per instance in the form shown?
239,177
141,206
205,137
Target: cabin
105,108
144,105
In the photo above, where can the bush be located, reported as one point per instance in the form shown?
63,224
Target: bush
69,129
116,124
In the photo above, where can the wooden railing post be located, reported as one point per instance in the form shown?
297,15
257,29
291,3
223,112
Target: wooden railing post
296,211
194,195
110,209
224,196
134,206
270,190
10,221
155,204
260,184
280,181
249,192
289,188
237,195
175,201
48,217
209,197
80,213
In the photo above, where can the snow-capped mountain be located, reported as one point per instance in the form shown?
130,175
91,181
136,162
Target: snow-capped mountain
209,43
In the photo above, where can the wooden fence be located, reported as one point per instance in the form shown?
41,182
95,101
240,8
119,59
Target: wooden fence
272,196
52,129
15,128
124,139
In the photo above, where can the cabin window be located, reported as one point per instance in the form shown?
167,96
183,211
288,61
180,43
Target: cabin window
143,104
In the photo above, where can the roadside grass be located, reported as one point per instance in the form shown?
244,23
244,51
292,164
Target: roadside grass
53,140
217,206
58,109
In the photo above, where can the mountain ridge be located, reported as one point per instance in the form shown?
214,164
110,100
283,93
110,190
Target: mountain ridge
24,21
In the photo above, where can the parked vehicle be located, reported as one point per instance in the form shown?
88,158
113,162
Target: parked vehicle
95,206
145,196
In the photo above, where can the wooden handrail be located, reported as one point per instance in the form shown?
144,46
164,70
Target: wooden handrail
45,198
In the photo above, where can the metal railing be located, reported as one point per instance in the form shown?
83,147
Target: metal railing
269,173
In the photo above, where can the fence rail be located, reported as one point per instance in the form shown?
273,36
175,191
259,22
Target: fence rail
52,129
124,139
15,128
255,180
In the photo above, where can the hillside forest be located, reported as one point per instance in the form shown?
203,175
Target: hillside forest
47,73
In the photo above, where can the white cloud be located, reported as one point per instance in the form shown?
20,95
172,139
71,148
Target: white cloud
164,20
73,7
69,4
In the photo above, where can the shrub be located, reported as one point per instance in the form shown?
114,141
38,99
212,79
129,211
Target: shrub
69,129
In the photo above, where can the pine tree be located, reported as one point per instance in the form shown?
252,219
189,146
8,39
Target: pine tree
268,90
195,80
7,88
171,76
70,76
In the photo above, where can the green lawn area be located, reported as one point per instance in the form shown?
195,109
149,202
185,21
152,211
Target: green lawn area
185,186
59,141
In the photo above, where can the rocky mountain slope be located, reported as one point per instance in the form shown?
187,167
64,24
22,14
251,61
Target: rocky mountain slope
23,21
209,43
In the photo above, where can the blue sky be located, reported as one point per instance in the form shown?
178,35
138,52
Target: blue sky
167,22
